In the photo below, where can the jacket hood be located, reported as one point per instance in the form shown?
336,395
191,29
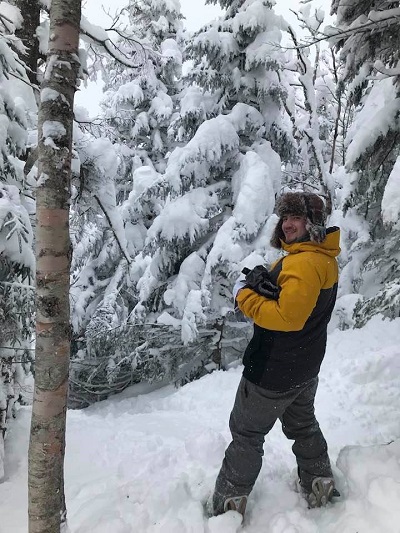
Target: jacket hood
330,245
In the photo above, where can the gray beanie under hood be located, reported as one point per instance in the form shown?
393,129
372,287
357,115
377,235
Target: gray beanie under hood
305,204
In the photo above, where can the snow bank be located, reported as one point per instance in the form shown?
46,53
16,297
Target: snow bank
148,463
391,196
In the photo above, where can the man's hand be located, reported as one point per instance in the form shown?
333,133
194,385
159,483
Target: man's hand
259,280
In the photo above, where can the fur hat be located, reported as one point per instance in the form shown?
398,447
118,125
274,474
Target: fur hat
305,204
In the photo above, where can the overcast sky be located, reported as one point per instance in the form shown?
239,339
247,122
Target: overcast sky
195,11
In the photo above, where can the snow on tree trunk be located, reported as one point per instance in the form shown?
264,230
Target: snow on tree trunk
47,510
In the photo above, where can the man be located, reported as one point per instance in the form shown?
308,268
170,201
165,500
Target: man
282,360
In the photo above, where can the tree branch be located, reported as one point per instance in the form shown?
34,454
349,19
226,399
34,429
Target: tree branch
112,229
112,49
392,19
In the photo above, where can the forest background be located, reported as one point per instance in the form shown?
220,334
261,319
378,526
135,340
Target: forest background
174,181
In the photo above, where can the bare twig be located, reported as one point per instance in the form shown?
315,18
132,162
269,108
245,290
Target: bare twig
115,52
391,19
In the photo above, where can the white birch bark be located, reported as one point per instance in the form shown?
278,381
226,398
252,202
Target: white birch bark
47,512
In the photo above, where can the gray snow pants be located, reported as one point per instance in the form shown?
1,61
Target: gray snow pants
254,413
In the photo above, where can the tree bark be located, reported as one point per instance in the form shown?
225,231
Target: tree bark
30,10
47,511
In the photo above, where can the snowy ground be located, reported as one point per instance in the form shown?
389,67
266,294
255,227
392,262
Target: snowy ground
148,463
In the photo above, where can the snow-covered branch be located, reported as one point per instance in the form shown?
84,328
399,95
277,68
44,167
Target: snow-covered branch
123,252
385,71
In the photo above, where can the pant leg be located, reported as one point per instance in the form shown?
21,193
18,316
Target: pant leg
310,447
254,413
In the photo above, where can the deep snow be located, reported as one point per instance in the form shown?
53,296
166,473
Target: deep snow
147,463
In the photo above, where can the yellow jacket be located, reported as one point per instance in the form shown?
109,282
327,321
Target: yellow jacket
290,334
307,269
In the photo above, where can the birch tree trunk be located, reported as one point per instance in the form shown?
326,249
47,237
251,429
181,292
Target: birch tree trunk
47,512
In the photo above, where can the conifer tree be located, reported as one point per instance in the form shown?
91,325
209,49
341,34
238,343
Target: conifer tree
27,32
220,187
138,107
238,59
186,224
16,236
367,39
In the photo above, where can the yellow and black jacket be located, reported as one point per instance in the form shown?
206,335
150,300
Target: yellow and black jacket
290,334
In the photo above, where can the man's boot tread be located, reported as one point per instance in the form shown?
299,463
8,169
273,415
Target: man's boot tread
236,503
322,492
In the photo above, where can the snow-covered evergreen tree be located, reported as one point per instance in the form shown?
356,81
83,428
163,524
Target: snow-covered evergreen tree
238,59
138,106
220,187
370,196
178,240
16,255
113,178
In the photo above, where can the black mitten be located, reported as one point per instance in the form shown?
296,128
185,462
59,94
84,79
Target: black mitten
259,280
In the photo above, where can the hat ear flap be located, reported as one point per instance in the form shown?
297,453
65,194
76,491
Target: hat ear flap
317,232
277,235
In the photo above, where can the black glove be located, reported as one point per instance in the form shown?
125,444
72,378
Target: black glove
259,280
